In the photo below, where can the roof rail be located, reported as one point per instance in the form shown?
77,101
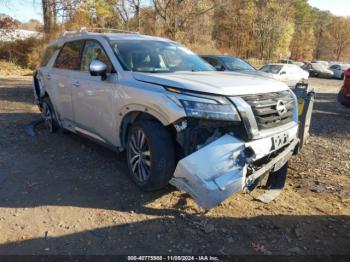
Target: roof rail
83,30
105,30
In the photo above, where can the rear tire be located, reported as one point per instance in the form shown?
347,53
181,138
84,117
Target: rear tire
150,155
49,115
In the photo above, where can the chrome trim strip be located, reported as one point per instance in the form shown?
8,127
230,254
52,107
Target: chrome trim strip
85,132
247,116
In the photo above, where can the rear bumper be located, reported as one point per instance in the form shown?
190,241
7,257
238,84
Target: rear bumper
218,170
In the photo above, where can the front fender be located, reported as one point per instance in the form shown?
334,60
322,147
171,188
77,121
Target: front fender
146,109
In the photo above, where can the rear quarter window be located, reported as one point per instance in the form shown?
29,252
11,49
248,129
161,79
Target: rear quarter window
69,56
48,54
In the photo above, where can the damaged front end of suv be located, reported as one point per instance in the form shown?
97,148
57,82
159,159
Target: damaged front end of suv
229,144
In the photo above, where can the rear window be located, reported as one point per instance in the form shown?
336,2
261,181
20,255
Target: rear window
273,69
48,54
236,64
69,57
214,62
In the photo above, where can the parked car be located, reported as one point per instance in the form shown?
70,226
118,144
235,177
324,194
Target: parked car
344,93
338,70
318,70
286,61
289,74
206,132
232,64
325,63
228,63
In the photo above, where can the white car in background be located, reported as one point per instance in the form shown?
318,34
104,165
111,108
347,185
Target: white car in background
339,69
287,73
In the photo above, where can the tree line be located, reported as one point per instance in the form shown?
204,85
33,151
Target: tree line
262,29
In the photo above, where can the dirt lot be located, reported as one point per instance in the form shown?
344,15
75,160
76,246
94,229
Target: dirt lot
61,194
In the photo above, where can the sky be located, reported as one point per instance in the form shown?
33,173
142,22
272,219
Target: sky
337,7
24,10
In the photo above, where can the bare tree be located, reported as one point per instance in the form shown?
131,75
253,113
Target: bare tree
49,15
54,9
322,21
129,10
175,14
339,31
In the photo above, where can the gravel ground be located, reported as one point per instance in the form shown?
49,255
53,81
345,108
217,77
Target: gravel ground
61,194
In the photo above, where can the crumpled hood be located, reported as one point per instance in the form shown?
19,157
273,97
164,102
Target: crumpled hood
214,82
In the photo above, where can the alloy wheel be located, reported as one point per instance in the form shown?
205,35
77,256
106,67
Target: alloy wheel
139,156
48,117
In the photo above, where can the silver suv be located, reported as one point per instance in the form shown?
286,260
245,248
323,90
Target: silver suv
209,133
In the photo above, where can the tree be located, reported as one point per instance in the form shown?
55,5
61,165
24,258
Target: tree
320,30
176,15
339,31
49,15
234,33
272,20
303,42
130,10
7,22
97,13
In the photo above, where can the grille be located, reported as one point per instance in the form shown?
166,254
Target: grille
271,109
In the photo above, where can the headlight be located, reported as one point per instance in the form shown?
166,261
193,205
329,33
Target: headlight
210,110
206,107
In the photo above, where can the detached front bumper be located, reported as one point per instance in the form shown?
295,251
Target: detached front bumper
219,169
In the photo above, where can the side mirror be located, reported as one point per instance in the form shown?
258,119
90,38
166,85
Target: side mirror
97,68
283,73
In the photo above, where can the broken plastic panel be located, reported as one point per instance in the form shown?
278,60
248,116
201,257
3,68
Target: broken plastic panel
214,172
218,170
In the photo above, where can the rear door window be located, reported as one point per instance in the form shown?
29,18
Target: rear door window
69,57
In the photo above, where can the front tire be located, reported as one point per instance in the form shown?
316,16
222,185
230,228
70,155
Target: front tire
150,155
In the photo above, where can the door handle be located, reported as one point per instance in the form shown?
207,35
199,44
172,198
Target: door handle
76,84
48,77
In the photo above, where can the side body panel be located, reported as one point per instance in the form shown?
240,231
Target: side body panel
60,93
94,102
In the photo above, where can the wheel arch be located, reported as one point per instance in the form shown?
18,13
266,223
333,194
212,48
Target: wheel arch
40,91
137,114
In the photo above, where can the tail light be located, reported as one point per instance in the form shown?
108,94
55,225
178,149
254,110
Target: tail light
347,73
